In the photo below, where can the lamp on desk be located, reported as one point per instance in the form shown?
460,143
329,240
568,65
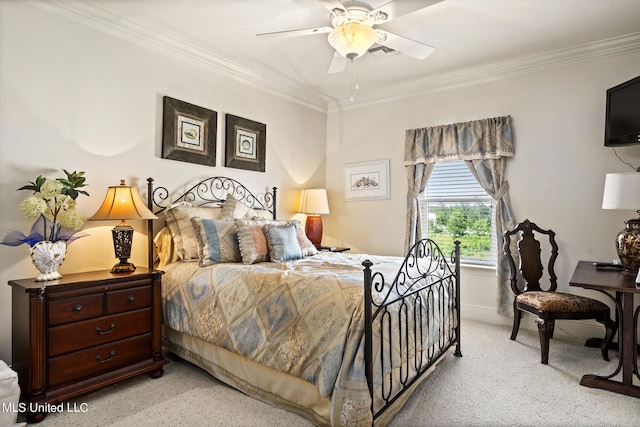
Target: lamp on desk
622,191
314,203
122,202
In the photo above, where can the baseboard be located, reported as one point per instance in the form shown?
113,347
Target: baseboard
580,329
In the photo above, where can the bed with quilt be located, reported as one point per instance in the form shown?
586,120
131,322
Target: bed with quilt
339,338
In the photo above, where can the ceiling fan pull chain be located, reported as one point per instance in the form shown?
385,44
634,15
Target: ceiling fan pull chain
354,78
357,86
351,98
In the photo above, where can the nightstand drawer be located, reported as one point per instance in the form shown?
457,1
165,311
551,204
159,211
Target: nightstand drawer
75,309
98,331
99,359
128,299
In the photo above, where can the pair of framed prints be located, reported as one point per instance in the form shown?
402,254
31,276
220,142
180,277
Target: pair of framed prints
189,135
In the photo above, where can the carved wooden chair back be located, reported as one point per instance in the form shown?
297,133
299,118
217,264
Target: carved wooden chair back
529,255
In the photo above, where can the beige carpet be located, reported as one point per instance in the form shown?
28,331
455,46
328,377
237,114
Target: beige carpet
497,382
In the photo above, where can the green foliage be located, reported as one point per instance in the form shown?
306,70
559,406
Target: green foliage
72,182
457,223
34,186
470,223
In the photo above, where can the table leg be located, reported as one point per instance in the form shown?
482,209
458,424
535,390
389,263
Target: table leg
628,352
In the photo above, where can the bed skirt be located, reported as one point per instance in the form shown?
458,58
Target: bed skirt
265,384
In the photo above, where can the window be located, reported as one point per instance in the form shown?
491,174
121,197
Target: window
455,207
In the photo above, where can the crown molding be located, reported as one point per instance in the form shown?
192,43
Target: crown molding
119,26
622,45
142,35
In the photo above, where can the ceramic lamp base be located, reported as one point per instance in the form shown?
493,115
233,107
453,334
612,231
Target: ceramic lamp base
628,246
313,229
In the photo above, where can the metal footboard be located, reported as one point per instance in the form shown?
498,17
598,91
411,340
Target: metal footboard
410,322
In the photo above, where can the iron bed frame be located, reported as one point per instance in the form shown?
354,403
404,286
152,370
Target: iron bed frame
426,278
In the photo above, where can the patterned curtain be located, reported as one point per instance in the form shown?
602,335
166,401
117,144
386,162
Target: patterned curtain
484,145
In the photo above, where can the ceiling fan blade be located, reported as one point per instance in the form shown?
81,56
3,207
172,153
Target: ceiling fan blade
397,8
294,33
333,4
338,63
404,45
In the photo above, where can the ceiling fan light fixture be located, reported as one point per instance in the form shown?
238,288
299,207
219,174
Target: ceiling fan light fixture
352,40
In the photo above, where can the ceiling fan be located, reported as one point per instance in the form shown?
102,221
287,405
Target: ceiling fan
352,31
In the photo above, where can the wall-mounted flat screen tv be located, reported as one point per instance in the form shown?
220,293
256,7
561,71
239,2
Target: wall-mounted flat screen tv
622,125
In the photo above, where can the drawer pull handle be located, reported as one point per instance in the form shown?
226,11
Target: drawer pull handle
130,298
99,358
101,332
76,308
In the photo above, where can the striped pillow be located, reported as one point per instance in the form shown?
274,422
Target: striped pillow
178,219
253,243
217,241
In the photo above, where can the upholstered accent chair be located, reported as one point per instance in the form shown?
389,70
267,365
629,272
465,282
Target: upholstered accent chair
547,304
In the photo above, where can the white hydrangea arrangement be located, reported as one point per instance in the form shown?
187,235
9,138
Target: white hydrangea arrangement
53,206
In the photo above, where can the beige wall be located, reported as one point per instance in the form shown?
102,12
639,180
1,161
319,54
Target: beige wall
75,98
556,177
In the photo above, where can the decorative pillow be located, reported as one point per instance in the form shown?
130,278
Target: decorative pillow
165,250
282,242
264,214
234,208
217,241
178,219
253,243
307,247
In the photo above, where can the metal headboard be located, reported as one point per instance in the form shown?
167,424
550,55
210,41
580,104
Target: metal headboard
207,192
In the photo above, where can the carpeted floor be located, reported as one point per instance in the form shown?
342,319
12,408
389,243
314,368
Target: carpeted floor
497,382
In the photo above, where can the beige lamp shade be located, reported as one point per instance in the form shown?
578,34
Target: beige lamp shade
122,202
314,201
352,40
622,191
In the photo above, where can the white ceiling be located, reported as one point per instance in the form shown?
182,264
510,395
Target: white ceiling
473,40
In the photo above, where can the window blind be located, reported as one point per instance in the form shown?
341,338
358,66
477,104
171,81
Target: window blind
452,185
453,181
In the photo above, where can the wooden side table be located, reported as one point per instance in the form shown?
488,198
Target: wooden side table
586,276
83,332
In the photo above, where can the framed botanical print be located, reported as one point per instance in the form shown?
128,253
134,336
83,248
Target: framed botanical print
188,132
245,144
366,180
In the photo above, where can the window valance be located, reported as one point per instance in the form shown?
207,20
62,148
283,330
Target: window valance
476,140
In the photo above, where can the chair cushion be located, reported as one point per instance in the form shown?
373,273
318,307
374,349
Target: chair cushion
561,302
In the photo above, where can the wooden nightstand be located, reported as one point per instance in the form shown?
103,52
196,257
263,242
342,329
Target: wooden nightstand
83,332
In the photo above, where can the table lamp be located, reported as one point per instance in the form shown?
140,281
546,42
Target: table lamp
122,202
313,202
622,191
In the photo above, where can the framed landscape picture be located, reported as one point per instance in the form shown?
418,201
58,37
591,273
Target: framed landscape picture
245,144
188,132
366,180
